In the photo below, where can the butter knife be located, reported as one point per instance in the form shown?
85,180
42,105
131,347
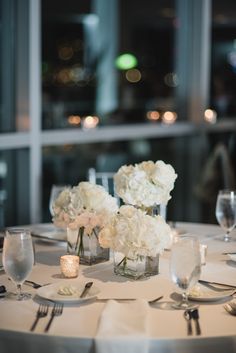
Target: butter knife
227,286
86,289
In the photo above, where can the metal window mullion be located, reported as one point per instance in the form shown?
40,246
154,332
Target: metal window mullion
193,58
35,110
200,60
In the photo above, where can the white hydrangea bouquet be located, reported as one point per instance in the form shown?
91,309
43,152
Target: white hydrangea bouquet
81,210
134,233
145,184
137,239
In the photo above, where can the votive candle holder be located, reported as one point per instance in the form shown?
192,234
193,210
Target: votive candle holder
69,266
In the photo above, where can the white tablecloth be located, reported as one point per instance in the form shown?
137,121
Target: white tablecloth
76,329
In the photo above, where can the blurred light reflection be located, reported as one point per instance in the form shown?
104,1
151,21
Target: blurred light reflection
133,75
169,117
74,119
90,122
210,116
153,115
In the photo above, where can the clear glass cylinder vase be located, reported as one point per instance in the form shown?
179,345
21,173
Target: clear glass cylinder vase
86,246
140,267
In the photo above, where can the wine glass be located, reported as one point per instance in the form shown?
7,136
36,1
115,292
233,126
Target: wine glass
185,267
18,258
55,191
226,211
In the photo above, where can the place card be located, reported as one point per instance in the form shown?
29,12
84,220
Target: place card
69,265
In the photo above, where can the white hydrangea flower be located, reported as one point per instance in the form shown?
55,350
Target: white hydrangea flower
87,199
145,184
134,233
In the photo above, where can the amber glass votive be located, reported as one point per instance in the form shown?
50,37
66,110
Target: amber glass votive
69,265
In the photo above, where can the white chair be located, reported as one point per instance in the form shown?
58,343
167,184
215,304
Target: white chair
102,178
106,180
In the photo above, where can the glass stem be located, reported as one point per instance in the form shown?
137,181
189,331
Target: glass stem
18,289
227,237
184,299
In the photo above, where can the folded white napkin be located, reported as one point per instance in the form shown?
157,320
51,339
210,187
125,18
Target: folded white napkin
123,327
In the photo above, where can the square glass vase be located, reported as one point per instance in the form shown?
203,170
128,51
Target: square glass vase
86,246
140,267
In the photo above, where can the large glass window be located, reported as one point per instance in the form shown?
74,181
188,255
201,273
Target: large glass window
102,83
7,65
14,187
112,60
223,68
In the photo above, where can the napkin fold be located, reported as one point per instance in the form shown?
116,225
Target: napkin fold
123,327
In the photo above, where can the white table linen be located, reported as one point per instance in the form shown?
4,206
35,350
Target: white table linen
76,330
123,327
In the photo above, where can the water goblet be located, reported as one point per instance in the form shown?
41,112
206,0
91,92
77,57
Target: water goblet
185,267
226,211
55,191
18,258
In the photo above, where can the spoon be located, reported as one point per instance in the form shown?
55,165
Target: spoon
86,289
195,316
188,318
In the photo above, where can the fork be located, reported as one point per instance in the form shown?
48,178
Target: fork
56,311
42,312
230,309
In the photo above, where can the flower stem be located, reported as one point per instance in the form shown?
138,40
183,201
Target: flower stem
124,261
80,240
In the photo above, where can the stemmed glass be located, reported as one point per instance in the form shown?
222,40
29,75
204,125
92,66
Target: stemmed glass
226,211
55,191
18,258
185,267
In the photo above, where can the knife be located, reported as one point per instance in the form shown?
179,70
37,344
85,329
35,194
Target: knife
86,289
217,283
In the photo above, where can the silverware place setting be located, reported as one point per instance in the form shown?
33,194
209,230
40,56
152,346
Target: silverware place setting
42,312
218,286
151,301
34,284
189,315
57,310
87,286
230,308
188,318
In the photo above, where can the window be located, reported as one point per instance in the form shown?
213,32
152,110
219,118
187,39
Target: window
223,68
70,99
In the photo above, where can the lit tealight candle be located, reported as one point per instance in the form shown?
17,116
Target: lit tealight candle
69,265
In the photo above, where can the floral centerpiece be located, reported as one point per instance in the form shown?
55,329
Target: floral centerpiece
137,239
83,210
146,184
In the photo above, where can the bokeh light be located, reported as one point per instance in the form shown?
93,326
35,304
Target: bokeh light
74,119
133,75
153,115
126,61
210,116
90,122
169,117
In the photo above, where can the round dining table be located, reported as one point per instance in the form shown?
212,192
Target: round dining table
118,317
